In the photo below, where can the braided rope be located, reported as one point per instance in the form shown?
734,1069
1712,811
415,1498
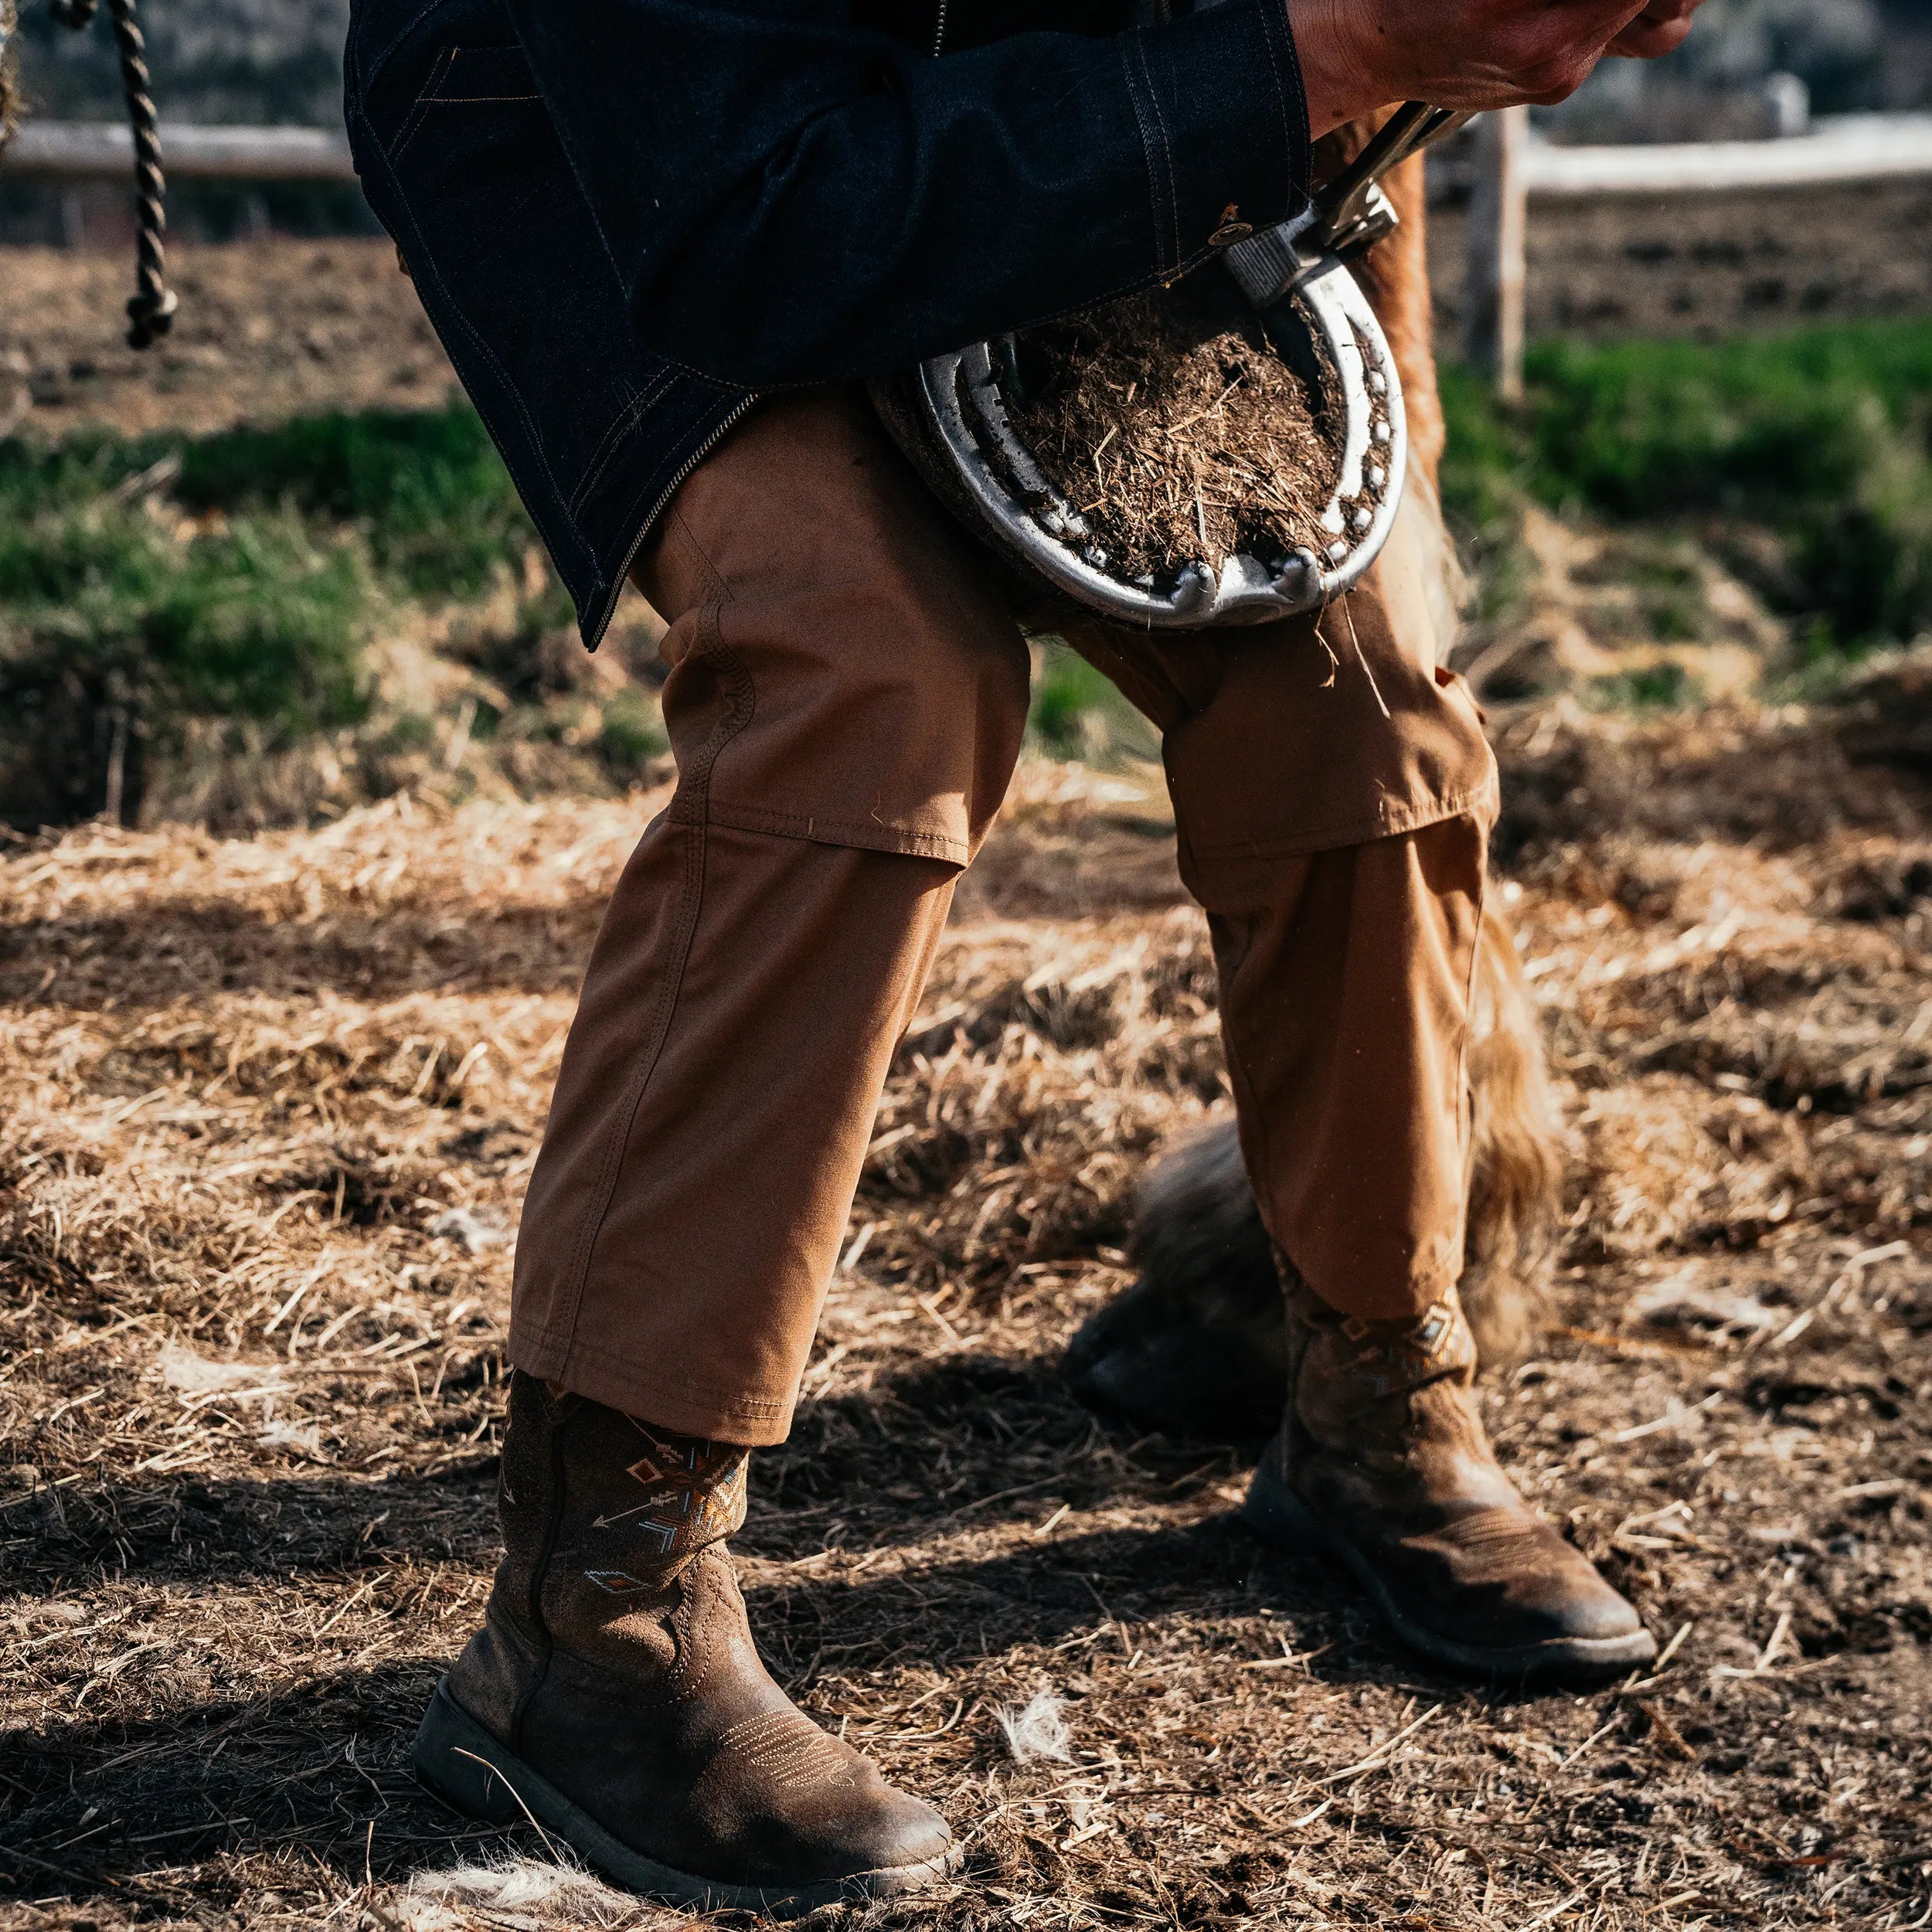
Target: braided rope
150,308
9,71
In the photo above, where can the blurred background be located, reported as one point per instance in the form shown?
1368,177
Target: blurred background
1706,477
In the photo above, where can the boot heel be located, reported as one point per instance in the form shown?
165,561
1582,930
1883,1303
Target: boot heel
1278,1516
462,1764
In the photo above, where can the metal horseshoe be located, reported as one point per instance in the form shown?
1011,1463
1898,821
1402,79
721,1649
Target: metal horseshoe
950,417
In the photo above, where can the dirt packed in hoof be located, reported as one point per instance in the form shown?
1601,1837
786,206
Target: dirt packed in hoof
267,1111
1171,426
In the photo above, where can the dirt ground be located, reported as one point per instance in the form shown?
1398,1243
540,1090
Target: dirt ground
275,327
1706,264
267,329
266,1110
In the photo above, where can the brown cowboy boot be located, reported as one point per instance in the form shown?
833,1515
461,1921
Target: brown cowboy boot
614,1695
1382,1460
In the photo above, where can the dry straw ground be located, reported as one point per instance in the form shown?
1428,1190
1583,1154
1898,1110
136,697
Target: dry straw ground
268,1110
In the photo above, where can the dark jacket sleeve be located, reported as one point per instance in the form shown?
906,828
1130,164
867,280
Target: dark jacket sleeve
791,199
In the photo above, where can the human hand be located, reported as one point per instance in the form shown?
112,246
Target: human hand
1359,55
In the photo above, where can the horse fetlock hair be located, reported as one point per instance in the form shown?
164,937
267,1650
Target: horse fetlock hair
1200,1244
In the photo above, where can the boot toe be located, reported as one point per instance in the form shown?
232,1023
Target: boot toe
881,1842
1490,1589
895,1831
1589,1610
1504,1580
798,1808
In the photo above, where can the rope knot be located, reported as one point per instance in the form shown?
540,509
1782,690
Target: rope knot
150,316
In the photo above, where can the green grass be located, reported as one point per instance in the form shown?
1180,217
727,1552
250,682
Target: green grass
1820,435
256,621
306,531
630,735
1657,687
109,624
1078,712
426,490
158,578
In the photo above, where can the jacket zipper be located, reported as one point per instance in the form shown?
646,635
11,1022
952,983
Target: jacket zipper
670,490
939,29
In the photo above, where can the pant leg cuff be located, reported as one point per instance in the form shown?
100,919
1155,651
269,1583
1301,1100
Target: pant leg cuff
750,1420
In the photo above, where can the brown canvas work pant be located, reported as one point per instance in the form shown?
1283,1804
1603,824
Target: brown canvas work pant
846,699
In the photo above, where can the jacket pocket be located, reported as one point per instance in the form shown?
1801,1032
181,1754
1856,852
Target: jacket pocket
471,77
419,107
474,77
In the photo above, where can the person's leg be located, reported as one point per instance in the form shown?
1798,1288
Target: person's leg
846,701
1197,1344
1333,792
1345,988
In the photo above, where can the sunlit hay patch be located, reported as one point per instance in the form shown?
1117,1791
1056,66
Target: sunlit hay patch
256,1221
1043,1071
529,1894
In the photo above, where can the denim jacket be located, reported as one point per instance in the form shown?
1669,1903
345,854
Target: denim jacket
628,219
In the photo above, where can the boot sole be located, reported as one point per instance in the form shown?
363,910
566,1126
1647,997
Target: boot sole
1280,1518
466,1767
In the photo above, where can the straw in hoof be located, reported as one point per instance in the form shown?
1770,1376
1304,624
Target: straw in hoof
1168,421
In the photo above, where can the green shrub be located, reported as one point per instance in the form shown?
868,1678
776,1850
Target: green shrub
113,632
1638,428
426,488
630,735
254,621
1821,436
1485,464
1656,687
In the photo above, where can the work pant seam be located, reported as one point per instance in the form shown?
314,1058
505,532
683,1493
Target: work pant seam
695,824
677,525
1464,1122
1343,834
878,835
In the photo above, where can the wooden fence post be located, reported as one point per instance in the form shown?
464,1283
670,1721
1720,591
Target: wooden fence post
1497,221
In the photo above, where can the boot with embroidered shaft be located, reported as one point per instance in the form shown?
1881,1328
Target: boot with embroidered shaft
614,1695
1382,1460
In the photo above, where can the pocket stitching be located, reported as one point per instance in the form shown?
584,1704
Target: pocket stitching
422,102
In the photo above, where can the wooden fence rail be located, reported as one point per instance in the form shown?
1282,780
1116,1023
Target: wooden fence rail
71,150
1839,148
